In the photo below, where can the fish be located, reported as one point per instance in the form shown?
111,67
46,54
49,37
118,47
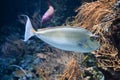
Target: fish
65,38
48,14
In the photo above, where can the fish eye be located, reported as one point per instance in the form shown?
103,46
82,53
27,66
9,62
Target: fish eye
92,38
95,37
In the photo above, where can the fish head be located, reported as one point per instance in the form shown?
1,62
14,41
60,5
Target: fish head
92,42
89,43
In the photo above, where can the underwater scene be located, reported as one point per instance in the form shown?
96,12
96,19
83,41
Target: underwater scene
60,40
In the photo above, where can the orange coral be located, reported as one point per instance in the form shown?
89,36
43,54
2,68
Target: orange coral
72,71
42,73
93,13
97,17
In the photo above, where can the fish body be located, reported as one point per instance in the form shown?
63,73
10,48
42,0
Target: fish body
48,14
66,38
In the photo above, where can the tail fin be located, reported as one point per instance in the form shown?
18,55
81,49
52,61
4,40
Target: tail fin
29,31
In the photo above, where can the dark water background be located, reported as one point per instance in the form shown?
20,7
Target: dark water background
11,9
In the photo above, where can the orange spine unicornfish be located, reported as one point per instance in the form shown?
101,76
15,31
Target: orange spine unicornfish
65,38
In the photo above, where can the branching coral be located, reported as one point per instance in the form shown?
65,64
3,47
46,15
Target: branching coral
108,51
98,17
43,74
93,13
73,71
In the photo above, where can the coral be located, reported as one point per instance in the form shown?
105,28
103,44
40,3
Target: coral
72,71
107,55
99,17
43,74
54,63
93,13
